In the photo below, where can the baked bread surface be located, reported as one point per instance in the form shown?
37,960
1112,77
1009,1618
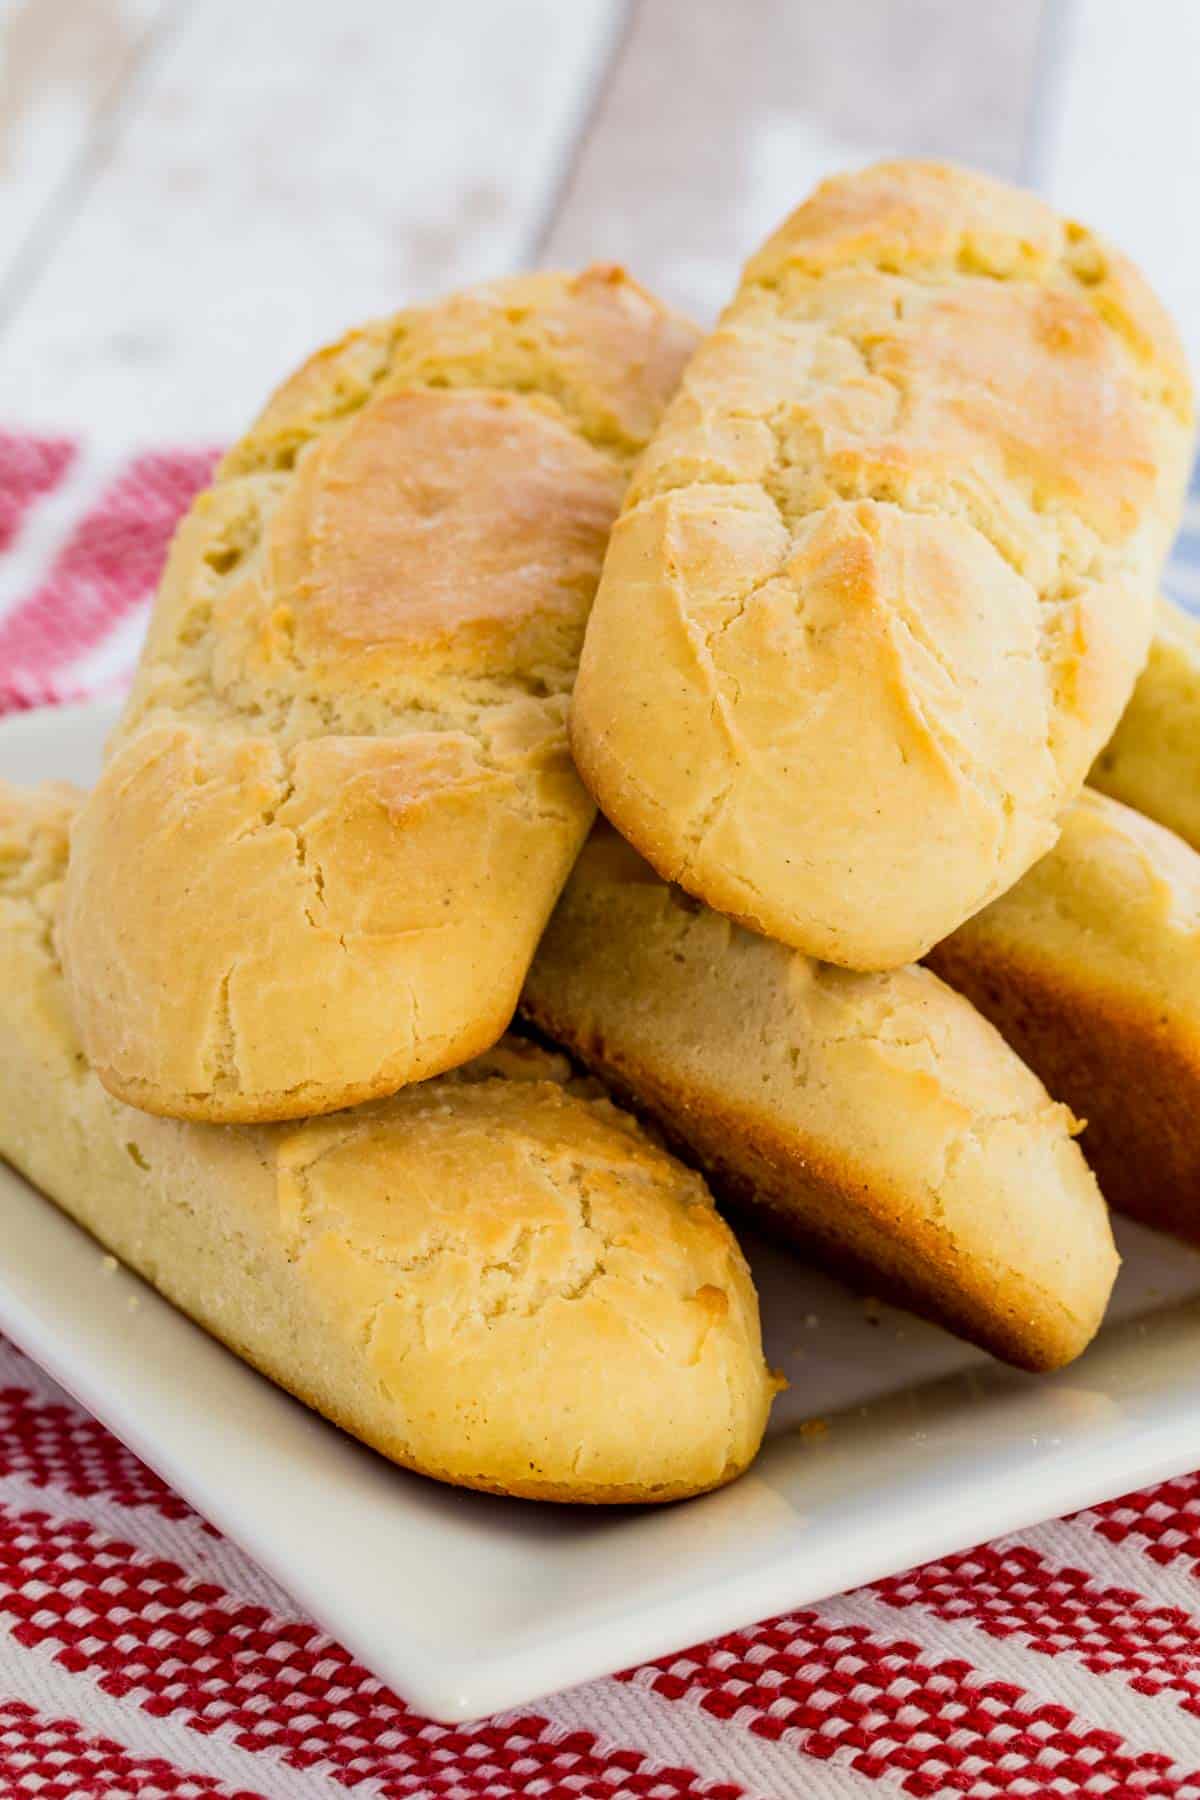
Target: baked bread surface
1152,760
494,1277
1090,967
882,580
875,1119
340,804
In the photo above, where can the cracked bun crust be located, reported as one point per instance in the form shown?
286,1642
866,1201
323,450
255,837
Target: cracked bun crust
494,1277
876,1119
1090,967
887,564
1152,760
340,804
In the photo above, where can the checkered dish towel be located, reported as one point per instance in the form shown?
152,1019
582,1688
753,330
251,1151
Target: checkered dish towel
142,1654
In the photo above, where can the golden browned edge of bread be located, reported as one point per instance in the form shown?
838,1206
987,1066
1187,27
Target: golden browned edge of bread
340,803
924,472
494,1278
1152,760
875,1120
1091,969
806,1198
395,1449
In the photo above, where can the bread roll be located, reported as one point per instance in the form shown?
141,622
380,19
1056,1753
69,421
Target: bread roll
875,1119
493,1278
1152,760
339,806
1091,969
881,584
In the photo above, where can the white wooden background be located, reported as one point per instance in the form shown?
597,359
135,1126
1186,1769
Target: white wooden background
193,192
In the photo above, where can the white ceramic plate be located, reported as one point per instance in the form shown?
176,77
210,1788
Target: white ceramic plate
466,1604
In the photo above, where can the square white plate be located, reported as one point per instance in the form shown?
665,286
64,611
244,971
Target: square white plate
466,1604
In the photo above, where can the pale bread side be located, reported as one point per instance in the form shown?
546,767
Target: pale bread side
494,1278
1090,967
876,1119
1152,760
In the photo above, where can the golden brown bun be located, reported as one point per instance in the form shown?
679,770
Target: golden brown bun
881,584
340,804
1090,967
493,1278
1152,760
877,1119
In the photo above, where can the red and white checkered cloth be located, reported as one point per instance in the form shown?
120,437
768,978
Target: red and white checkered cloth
142,1654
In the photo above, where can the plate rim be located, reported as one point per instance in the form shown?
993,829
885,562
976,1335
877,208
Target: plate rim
539,1660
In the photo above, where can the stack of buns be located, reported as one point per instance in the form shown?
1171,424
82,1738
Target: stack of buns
831,613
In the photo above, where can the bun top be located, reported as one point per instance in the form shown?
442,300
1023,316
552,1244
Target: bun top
891,557
933,218
420,513
340,795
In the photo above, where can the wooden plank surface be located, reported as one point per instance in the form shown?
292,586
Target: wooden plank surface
717,119
285,168
193,192
65,71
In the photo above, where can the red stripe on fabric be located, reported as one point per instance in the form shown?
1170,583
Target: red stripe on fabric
892,1707
173,1645
26,695
178,1647
30,467
20,695
57,1759
109,565
1163,1521
1016,1592
55,1445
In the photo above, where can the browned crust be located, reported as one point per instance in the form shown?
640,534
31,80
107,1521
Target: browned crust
395,1449
841,1214
1129,1068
